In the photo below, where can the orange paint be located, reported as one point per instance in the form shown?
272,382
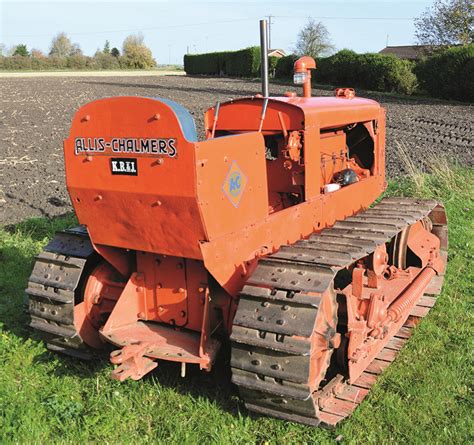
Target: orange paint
174,214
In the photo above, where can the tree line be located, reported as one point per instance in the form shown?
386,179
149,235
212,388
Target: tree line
445,68
64,54
446,23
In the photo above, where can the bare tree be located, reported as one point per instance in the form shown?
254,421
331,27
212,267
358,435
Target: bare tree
447,22
313,40
61,46
37,53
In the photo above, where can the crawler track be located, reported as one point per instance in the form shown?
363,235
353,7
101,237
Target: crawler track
53,288
287,312
278,322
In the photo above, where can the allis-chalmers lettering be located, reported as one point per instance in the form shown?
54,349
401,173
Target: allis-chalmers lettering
163,147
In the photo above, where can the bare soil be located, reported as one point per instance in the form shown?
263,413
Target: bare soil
35,115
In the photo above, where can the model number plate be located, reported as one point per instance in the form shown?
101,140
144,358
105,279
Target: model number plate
124,166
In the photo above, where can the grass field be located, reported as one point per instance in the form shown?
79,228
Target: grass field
424,397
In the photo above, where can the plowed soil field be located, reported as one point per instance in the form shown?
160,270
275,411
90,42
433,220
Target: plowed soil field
35,115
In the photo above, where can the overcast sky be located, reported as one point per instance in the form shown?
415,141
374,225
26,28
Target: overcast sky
171,28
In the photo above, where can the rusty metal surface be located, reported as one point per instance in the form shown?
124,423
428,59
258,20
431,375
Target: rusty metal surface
276,334
51,291
278,273
272,370
286,318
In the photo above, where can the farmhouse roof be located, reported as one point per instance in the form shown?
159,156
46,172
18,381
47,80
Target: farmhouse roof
409,52
276,52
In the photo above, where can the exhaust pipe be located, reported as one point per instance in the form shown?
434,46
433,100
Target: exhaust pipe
264,56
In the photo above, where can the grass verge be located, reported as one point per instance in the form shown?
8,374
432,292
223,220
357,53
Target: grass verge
424,397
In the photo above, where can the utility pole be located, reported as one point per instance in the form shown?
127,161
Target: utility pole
269,28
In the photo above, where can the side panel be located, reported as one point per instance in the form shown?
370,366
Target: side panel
231,183
227,257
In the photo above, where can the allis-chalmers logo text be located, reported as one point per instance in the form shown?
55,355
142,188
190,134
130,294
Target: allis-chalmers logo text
163,147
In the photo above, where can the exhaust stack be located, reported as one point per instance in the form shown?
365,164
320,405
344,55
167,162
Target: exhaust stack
264,56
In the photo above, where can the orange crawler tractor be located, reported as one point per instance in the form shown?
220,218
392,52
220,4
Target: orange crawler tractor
261,234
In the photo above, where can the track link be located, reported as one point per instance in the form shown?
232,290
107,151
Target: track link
52,289
274,327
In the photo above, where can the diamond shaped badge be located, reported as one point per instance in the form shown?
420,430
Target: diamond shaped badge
234,184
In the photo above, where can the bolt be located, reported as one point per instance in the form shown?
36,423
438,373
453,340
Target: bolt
183,314
141,315
86,118
201,290
181,290
156,116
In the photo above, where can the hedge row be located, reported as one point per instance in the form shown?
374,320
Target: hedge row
77,62
284,67
448,74
369,71
100,61
242,63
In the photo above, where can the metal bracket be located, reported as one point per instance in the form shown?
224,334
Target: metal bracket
132,362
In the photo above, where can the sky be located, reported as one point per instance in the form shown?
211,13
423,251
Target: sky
172,28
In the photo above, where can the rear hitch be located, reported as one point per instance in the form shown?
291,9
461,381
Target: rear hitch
132,362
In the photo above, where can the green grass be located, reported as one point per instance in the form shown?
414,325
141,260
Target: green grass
424,397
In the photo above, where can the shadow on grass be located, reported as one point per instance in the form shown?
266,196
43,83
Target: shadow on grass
39,229
215,386
19,244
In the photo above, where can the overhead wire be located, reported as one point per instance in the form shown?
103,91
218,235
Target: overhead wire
185,25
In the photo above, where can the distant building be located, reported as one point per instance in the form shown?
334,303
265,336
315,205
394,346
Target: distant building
276,53
408,52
